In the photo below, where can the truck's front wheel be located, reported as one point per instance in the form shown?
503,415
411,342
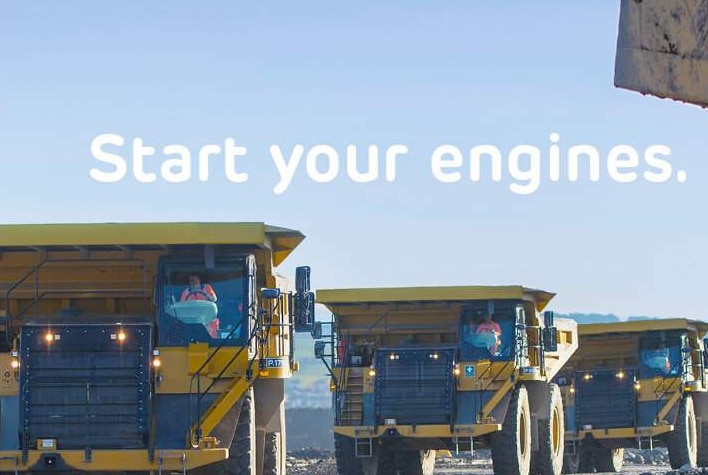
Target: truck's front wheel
416,463
703,449
271,454
579,461
609,460
571,462
682,442
548,460
511,447
242,453
345,454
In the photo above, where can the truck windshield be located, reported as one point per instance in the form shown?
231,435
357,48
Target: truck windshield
660,357
200,305
487,335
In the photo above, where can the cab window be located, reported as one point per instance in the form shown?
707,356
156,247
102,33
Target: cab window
660,355
487,334
200,305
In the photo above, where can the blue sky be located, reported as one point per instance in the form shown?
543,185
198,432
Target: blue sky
417,73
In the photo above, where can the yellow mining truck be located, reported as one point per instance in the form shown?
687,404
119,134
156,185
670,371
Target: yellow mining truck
636,384
154,348
417,370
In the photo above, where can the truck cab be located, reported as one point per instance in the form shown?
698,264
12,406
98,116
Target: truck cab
147,346
636,384
417,370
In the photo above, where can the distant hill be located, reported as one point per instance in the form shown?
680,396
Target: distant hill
309,387
600,317
590,317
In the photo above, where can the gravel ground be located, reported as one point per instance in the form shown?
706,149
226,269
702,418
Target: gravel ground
321,462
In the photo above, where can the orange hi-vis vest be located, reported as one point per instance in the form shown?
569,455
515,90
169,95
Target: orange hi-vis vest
189,294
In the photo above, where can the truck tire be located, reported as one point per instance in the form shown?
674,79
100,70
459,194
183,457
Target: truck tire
242,453
571,462
579,462
703,449
345,455
271,454
548,459
682,442
511,447
586,463
387,463
609,460
381,462
420,462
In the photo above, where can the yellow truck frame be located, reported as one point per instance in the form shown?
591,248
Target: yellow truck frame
406,381
636,384
104,368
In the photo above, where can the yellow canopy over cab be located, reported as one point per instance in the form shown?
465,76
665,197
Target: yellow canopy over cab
640,326
104,236
332,297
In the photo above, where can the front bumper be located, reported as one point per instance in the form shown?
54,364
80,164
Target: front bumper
620,433
109,460
418,431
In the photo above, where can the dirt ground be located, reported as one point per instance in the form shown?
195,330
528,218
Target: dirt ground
318,462
328,467
310,444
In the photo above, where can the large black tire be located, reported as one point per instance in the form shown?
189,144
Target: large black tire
571,462
703,449
345,455
548,459
416,463
609,460
242,453
682,442
271,454
511,447
586,464
582,461
387,463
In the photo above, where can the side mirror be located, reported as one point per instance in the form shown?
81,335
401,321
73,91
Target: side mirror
549,319
304,312
550,339
270,294
316,330
302,280
304,301
319,349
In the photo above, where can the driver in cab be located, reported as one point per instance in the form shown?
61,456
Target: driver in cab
493,328
198,291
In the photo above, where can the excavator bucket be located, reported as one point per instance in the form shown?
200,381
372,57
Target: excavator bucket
662,49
